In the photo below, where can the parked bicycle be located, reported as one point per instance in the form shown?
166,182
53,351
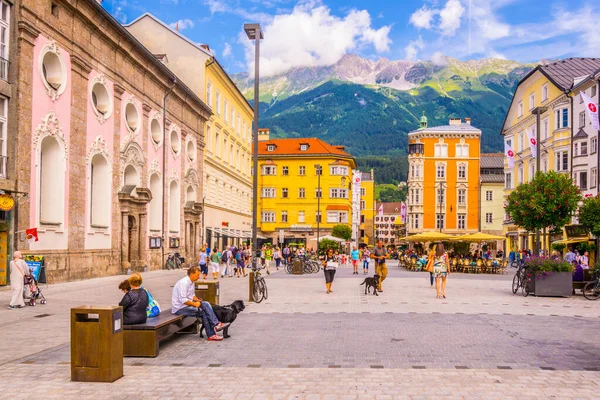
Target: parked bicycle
174,261
519,277
591,290
259,290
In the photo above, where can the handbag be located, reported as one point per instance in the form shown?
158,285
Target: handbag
153,308
430,261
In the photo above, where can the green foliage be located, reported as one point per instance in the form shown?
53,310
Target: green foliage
559,247
550,199
388,195
389,170
540,265
586,246
325,244
589,215
342,231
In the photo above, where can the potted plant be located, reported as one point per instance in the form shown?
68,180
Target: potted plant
549,277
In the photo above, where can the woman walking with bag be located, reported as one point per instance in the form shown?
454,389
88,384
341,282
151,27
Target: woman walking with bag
441,269
18,271
329,266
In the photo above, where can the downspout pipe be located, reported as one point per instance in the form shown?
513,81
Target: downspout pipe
164,168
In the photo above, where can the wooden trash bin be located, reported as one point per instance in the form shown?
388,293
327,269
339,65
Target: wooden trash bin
297,267
96,343
208,291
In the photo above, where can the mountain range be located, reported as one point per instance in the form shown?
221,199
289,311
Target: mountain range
370,106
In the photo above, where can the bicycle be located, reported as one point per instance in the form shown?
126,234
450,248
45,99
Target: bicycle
519,277
174,260
259,290
591,290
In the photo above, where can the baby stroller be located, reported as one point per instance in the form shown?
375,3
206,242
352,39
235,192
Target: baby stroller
32,291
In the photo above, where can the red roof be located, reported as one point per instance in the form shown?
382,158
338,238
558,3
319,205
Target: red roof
291,146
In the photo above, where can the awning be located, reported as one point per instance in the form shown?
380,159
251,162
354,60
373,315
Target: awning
572,240
337,208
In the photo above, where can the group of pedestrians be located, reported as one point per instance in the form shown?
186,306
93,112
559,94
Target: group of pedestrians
232,260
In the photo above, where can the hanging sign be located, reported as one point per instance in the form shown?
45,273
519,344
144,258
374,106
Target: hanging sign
6,202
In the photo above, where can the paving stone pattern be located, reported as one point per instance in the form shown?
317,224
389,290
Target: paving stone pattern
480,342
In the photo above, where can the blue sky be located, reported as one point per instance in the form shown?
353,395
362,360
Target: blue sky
320,32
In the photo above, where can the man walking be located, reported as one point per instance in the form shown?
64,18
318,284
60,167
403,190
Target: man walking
380,254
185,302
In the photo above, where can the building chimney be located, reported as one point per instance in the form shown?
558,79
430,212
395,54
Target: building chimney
455,121
263,134
468,121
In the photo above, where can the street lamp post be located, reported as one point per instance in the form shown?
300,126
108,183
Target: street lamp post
538,111
318,168
254,32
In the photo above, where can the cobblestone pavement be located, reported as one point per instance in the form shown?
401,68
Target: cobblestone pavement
479,342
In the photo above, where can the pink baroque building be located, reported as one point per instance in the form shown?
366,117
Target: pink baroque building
107,174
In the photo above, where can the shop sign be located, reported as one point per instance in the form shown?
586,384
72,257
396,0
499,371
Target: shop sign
6,202
301,228
575,231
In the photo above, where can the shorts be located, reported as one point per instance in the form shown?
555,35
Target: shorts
204,269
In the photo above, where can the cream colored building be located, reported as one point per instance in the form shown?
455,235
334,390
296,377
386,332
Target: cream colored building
491,177
226,172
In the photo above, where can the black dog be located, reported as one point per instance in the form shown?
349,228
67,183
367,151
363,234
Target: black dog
227,314
371,283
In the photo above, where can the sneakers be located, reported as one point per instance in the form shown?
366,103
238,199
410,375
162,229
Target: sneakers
221,326
215,338
12,307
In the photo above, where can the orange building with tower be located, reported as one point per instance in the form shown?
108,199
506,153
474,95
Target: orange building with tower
443,178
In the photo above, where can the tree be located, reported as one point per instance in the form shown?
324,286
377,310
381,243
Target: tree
389,195
589,217
325,244
342,231
549,200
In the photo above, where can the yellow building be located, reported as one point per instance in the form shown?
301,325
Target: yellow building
226,180
443,178
367,207
492,197
544,91
289,191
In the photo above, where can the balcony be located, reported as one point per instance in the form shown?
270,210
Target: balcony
417,148
3,172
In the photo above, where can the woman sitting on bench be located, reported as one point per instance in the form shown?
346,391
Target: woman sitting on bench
135,301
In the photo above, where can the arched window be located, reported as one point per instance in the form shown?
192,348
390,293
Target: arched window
99,192
190,194
156,203
174,207
52,183
131,176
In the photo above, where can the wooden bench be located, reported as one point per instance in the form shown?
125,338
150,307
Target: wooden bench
141,340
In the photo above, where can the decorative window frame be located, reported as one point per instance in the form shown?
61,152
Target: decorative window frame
189,140
134,102
50,127
437,164
101,80
132,155
155,115
98,147
458,177
175,129
52,47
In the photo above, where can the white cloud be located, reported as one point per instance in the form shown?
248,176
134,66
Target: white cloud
450,17
182,24
423,17
120,15
227,50
412,49
438,58
311,36
216,6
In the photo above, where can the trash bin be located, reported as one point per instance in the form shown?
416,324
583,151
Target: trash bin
208,291
96,343
297,267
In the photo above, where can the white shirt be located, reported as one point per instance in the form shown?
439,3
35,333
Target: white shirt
182,291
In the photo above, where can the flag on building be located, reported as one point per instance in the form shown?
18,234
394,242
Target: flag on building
509,154
592,109
532,142
380,210
32,235
403,212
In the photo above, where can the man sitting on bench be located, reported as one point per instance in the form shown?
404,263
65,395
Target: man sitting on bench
185,302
